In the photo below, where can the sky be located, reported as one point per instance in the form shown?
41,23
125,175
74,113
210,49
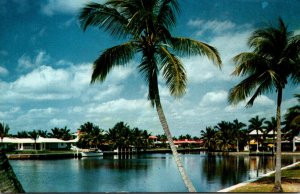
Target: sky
46,64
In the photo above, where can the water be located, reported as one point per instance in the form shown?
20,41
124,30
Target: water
144,173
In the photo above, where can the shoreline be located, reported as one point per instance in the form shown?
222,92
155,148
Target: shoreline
231,188
69,154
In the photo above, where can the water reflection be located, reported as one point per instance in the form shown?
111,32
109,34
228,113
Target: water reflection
141,173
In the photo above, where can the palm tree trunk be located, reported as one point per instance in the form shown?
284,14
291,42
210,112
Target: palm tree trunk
277,185
163,121
8,180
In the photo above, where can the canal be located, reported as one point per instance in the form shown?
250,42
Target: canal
141,173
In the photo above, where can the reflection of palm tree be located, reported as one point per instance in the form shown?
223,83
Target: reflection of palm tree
274,59
256,124
146,23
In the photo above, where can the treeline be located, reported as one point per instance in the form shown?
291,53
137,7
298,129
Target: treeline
227,135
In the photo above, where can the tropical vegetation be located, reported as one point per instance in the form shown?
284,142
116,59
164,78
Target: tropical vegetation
146,25
273,62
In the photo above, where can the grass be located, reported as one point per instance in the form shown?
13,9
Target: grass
290,182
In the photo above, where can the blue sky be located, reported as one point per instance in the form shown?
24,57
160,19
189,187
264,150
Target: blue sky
46,62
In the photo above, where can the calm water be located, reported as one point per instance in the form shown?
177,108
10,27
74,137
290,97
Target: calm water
144,173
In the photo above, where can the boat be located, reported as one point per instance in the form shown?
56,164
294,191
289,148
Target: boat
92,152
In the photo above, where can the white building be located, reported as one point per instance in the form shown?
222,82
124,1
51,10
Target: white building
41,143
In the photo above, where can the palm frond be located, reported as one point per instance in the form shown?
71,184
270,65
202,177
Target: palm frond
167,13
117,55
102,16
186,46
173,72
149,71
242,90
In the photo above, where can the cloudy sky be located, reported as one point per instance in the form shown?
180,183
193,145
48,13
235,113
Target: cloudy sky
46,61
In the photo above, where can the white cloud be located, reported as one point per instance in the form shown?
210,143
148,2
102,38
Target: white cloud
214,98
25,62
58,122
119,105
3,71
213,26
64,6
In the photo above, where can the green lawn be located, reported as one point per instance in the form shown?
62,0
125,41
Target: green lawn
290,182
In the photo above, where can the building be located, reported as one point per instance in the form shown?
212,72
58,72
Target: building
41,143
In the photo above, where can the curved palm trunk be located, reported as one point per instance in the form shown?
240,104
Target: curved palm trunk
8,180
277,183
188,183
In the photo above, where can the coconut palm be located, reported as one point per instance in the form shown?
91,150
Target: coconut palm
237,127
146,24
4,128
9,182
257,124
225,135
273,61
209,137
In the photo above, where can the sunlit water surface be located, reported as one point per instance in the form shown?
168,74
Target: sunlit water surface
143,173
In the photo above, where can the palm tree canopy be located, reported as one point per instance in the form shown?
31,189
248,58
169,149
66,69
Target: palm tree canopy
145,24
4,128
256,123
274,59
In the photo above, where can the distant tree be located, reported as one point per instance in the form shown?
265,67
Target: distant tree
33,135
256,124
292,120
42,133
225,135
4,128
237,127
22,134
210,138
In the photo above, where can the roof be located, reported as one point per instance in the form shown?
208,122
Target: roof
38,140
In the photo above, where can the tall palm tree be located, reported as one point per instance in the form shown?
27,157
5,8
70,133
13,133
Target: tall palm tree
4,128
146,26
273,61
257,124
237,127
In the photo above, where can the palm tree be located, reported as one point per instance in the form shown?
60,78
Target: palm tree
292,119
237,127
9,182
225,134
4,128
274,59
209,137
271,126
42,133
146,25
22,134
256,123
33,135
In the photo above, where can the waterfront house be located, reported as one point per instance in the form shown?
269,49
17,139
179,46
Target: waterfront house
13,143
